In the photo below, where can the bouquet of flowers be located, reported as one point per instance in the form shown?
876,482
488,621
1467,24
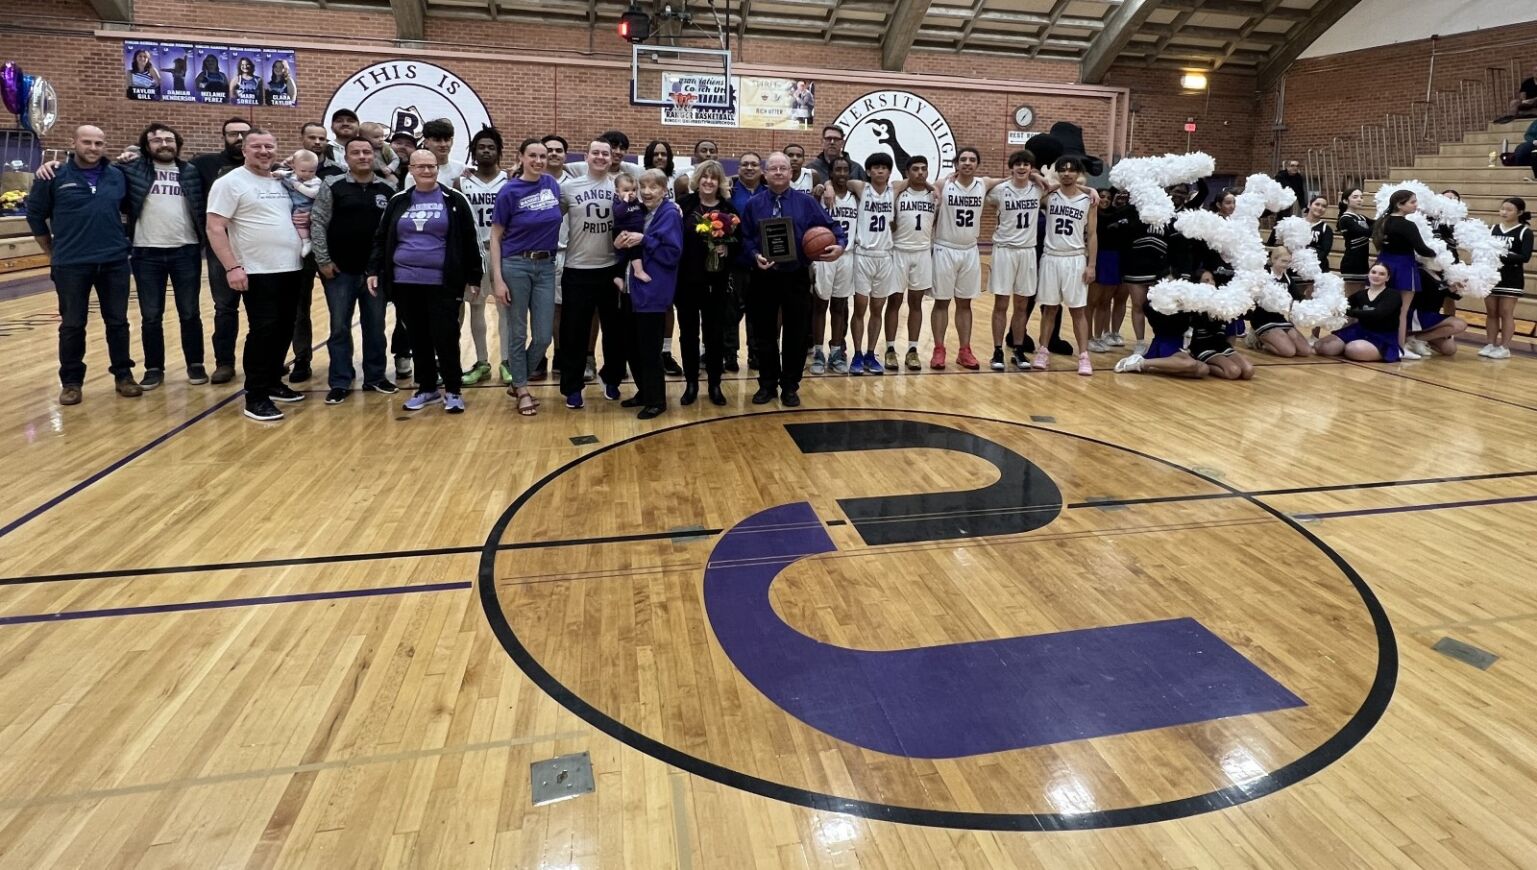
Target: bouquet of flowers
717,228
13,202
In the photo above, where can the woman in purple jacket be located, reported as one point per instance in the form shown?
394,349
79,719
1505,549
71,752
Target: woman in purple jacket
661,246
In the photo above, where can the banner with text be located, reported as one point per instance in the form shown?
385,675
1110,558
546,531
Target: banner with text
757,103
180,72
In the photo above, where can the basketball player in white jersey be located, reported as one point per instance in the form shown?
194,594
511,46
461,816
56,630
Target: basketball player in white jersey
1067,262
480,187
801,178
834,284
876,277
913,242
1017,201
957,263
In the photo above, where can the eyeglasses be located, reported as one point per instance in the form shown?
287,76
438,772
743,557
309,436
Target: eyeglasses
424,166
832,138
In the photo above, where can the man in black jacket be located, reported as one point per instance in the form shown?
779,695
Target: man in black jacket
167,208
342,225
1292,179
226,302
832,148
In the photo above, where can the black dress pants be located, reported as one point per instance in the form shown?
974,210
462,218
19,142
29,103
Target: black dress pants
584,291
780,299
704,306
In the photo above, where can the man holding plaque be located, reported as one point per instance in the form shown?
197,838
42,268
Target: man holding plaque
773,224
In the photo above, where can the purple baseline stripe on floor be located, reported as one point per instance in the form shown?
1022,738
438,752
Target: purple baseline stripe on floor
222,603
968,698
1411,508
25,287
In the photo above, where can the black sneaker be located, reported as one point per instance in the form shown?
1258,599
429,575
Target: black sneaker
752,362
301,373
670,365
263,410
337,395
1020,358
997,363
223,373
284,393
763,397
153,378
383,385
790,399
197,375
732,365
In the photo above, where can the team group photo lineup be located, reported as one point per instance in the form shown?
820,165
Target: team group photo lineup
675,434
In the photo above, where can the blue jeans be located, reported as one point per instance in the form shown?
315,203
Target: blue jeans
532,287
183,266
73,283
343,293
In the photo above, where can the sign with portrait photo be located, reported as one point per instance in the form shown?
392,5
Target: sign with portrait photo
181,72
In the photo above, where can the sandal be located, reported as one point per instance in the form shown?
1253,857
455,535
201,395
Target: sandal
526,405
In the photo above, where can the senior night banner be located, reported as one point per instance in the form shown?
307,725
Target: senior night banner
181,72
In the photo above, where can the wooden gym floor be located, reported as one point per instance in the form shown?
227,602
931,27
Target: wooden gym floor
1020,620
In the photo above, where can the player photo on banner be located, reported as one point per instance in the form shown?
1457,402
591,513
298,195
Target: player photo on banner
775,104
280,87
177,75
141,61
213,63
245,83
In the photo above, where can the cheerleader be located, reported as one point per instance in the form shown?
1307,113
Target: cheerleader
1146,263
1209,344
1167,354
1500,306
1434,331
1272,331
1398,242
1447,234
1356,231
1373,337
1182,256
1115,230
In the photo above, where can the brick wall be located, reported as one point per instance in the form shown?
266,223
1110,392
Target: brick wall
1225,115
53,39
1336,95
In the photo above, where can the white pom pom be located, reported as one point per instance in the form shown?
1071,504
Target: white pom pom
1144,180
1326,310
1223,303
1475,280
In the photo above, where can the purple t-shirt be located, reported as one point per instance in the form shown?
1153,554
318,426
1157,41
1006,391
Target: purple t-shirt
529,214
422,235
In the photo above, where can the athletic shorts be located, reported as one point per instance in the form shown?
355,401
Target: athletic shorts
916,268
1061,281
876,275
835,280
957,273
1013,272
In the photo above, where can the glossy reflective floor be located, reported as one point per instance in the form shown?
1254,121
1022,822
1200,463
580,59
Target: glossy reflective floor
935,620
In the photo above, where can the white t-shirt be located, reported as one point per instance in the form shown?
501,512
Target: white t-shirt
589,223
1019,214
1066,218
165,221
447,172
960,215
261,227
874,226
915,220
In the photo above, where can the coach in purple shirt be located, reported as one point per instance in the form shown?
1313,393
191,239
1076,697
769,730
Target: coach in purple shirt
782,293
525,233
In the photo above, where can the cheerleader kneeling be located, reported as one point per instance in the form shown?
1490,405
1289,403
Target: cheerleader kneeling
1373,337
1209,353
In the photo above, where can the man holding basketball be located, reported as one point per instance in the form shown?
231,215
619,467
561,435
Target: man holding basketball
783,290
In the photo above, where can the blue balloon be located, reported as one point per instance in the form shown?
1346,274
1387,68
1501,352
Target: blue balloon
26,94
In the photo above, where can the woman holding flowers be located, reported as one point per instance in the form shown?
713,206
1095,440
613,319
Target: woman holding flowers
711,239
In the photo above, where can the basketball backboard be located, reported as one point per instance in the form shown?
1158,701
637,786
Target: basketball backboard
657,72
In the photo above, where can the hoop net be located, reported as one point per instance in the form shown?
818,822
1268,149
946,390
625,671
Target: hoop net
683,105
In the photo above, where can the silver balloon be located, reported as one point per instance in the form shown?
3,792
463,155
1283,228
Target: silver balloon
42,110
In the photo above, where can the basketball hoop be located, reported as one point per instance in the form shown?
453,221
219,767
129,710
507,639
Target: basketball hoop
683,105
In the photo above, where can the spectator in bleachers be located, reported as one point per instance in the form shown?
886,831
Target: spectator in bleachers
1526,152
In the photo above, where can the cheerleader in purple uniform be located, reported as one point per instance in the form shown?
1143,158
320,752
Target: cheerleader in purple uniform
1398,242
1373,337
1166,355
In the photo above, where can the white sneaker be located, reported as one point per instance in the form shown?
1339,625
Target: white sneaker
1486,350
1132,363
1418,346
1408,355
1500,353
1139,348
1114,339
1097,345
